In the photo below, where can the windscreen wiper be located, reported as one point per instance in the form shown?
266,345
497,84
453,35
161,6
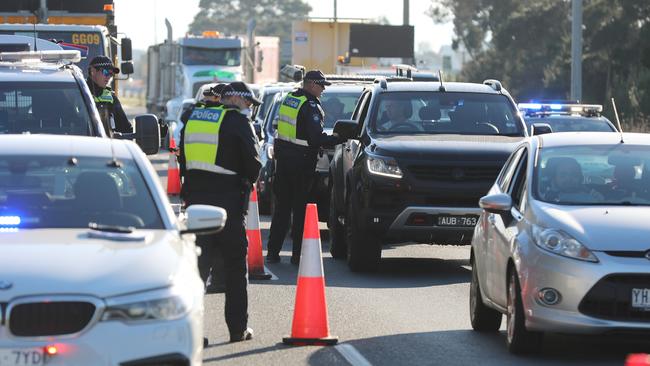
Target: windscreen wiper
111,228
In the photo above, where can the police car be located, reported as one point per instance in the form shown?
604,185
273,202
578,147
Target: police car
565,117
95,268
44,92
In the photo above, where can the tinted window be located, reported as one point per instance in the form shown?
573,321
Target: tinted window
50,192
594,175
445,113
571,124
55,108
209,56
338,106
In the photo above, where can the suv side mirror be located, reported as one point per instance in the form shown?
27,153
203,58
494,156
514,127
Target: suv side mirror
345,128
496,203
147,133
540,129
126,49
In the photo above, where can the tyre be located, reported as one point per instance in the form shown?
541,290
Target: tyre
483,318
518,338
363,248
338,247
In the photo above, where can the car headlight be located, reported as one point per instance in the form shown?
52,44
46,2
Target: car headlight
383,166
559,242
148,306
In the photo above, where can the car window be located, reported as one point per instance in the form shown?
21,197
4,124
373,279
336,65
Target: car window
445,113
59,192
271,120
337,105
519,182
574,124
362,99
509,170
594,175
36,107
363,110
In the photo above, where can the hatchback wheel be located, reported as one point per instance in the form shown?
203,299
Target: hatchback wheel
519,339
482,317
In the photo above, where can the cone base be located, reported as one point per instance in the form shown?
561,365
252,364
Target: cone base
260,276
327,341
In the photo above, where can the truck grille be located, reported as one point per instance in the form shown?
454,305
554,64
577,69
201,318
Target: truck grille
611,298
449,173
50,318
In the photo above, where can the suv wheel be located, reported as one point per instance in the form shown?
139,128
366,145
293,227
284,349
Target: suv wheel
518,338
482,317
338,247
364,248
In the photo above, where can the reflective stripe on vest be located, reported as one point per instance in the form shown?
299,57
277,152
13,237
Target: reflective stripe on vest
105,97
288,119
202,139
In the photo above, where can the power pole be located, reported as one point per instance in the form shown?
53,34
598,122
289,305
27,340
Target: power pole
250,51
576,50
405,15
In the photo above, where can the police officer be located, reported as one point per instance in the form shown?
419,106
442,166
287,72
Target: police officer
221,157
100,72
299,139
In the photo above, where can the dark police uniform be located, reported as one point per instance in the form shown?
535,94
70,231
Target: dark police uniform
221,160
299,137
109,106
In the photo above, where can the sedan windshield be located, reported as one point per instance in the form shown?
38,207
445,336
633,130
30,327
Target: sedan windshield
54,108
573,123
65,192
594,175
446,113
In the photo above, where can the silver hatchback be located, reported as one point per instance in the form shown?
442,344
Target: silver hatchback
563,243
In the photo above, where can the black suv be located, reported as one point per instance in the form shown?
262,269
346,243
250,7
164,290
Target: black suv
422,156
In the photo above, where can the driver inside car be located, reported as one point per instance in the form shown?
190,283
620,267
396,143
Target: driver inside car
566,182
396,117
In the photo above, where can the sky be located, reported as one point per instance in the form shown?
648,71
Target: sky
144,20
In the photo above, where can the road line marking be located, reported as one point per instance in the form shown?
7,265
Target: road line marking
273,276
352,355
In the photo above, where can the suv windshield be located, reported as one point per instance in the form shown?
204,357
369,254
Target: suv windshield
36,107
338,106
445,113
57,192
594,175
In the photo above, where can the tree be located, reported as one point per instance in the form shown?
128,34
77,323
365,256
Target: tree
273,17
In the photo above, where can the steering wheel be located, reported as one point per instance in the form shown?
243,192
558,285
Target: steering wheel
487,127
404,126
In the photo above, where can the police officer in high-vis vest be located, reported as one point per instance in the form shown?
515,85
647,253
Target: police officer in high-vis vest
222,161
100,73
299,137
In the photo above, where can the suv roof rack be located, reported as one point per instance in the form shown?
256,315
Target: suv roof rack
350,78
494,84
41,56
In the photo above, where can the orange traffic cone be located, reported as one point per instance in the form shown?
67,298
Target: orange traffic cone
637,359
256,269
310,325
173,174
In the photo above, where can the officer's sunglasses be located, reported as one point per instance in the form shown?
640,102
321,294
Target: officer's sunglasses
106,72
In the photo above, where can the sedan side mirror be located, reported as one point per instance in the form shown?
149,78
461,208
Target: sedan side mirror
204,219
496,203
147,133
346,129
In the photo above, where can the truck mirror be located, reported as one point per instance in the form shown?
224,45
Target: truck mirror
126,68
126,49
147,133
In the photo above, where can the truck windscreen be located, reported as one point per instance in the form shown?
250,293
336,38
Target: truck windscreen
90,44
210,56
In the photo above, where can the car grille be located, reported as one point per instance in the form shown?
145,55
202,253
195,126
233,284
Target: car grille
449,173
49,318
611,298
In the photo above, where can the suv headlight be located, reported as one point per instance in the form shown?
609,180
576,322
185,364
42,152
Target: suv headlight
559,242
384,166
158,305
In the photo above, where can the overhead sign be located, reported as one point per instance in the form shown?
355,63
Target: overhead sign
375,40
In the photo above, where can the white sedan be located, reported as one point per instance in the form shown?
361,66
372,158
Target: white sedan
95,269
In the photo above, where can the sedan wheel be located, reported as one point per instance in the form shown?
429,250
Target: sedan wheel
482,317
519,339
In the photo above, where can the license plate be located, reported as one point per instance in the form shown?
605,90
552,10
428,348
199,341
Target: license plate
22,357
641,298
461,221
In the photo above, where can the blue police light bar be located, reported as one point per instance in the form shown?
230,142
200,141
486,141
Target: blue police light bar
9,220
532,108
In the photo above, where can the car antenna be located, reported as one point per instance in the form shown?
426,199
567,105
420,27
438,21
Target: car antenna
618,121
35,38
442,87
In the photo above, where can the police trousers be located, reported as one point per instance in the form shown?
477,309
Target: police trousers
291,188
231,245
